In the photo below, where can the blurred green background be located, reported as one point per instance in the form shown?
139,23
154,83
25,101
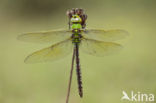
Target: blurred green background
104,79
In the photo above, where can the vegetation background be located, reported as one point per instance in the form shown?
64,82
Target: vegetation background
104,79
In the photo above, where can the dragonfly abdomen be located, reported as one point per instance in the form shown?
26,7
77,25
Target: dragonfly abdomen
76,40
78,71
76,36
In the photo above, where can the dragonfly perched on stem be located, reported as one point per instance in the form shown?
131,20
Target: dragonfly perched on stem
97,42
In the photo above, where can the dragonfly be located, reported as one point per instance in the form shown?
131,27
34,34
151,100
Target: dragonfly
97,42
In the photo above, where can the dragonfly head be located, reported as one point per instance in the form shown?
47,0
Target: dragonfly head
76,19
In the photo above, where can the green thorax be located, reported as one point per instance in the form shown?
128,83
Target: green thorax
76,26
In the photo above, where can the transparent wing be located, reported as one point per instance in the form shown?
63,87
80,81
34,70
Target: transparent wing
45,37
51,53
102,35
99,48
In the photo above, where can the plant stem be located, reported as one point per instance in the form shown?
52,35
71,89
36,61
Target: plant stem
70,78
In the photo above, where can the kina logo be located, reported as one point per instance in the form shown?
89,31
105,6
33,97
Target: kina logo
140,97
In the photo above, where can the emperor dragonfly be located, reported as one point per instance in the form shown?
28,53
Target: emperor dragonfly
96,42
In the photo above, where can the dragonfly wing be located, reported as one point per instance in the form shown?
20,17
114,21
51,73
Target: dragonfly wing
99,48
45,37
51,53
102,35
